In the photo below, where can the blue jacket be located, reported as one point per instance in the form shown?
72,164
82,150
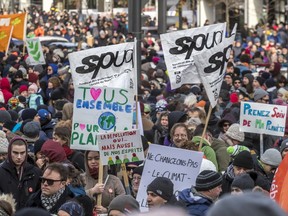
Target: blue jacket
196,205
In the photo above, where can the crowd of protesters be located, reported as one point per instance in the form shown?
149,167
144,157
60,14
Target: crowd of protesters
39,169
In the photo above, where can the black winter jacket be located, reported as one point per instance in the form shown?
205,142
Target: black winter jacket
20,188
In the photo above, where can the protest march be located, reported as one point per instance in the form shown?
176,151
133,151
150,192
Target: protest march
200,130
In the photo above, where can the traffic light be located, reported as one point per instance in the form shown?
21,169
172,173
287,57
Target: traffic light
165,20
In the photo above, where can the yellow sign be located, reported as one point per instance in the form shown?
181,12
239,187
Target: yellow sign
19,23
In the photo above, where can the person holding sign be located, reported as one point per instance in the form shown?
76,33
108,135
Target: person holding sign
109,191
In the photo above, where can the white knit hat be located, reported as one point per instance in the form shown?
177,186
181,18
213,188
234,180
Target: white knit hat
3,142
271,157
234,132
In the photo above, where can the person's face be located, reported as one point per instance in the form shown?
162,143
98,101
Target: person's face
164,121
228,80
256,84
49,70
136,182
245,80
56,181
180,136
237,84
194,114
3,157
230,69
115,213
31,91
268,169
284,152
50,85
236,191
226,126
240,170
93,159
154,200
24,94
58,139
215,192
18,154
265,99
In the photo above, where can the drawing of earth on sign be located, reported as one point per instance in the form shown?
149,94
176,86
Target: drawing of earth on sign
107,121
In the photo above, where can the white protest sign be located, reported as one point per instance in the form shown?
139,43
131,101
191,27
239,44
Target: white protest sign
211,66
35,51
263,118
179,47
98,110
179,165
104,66
120,147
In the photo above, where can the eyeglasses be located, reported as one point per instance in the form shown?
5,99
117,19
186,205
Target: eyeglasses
50,182
226,125
180,135
265,100
237,82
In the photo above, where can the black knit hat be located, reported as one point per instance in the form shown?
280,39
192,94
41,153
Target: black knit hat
9,125
208,180
163,187
244,159
243,182
28,113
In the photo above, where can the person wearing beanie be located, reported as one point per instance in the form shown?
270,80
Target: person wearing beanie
4,117
34,99
123,205
9,126
38,69
53,152
234,134
160,192
261,96
3,146
15,169
271,88
268,163
71,208
136,179
284,148
237,83
258,82
200,198
247,83
242,183
28,113
23,90
243,162
32,78
47,125
246,204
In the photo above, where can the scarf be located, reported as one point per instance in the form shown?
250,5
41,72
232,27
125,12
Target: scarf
94,173
49,201
67,150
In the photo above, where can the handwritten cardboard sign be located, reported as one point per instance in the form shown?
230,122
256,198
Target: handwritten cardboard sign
34,48
263,118
99,110
180,165
120,147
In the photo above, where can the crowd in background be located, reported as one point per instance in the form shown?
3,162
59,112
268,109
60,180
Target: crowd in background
36,109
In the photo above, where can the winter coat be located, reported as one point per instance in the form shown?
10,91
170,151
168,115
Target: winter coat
196,204
20,188
223,158
48,129
35,200
113,187
228,178
6,89
34,100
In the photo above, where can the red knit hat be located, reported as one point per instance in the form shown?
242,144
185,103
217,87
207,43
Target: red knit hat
32,78
233,97
23,88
